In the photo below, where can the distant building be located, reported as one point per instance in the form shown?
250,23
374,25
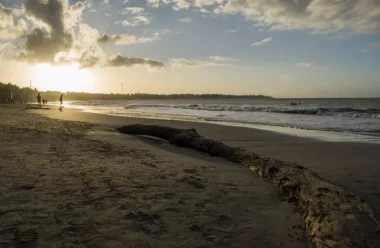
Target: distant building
5,95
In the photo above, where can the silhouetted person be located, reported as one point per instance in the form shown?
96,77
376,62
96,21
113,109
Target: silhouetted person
39,100
61,100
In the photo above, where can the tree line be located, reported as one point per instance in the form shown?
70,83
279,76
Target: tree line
28,94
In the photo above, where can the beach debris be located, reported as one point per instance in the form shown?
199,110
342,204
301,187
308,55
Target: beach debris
333,217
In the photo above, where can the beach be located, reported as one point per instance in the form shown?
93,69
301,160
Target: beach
69,179
352,165
79,183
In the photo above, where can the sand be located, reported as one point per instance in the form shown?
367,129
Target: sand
82,184
354,166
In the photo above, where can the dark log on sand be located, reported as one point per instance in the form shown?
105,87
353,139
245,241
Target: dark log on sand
333,217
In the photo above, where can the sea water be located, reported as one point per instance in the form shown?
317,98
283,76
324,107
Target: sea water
353,119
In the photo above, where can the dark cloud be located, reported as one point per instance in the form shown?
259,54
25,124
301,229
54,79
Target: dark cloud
120,39
119,60
53,40
43,44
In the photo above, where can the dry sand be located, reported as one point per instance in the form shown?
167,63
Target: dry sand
76,184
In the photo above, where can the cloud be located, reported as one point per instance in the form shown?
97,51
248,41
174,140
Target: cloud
118,39
127,39
222,59
3,48
58,35
176,4
138,17
201,3
133,10
154,3
135,21
181,62
53,32
11,26
305,64
119,60
147,39
323,16
185,20
181,4
262,42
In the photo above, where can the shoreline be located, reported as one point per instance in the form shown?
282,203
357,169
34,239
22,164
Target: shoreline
321,135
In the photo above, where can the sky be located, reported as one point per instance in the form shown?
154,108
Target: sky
281,48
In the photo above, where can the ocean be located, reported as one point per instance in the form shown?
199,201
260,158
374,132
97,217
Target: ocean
339,116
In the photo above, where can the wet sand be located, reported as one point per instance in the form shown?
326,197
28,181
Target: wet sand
82,184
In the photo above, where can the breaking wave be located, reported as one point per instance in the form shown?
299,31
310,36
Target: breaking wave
343,111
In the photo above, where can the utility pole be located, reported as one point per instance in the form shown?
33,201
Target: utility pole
30,83
122,89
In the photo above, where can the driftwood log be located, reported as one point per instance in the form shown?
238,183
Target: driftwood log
333,217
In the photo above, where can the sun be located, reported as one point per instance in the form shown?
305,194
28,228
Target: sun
63,78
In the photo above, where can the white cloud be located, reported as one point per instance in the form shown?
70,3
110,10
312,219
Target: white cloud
135,21
147,39
176,4
323,16
138,17
204,11
223,59
201,3
181,4
154,3
262,42
133,10
11,25
182,62
185,20
305,64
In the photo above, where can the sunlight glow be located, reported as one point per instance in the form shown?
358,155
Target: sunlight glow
63,78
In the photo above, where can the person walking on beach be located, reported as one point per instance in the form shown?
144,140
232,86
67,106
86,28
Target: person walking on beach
61,101
39,100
